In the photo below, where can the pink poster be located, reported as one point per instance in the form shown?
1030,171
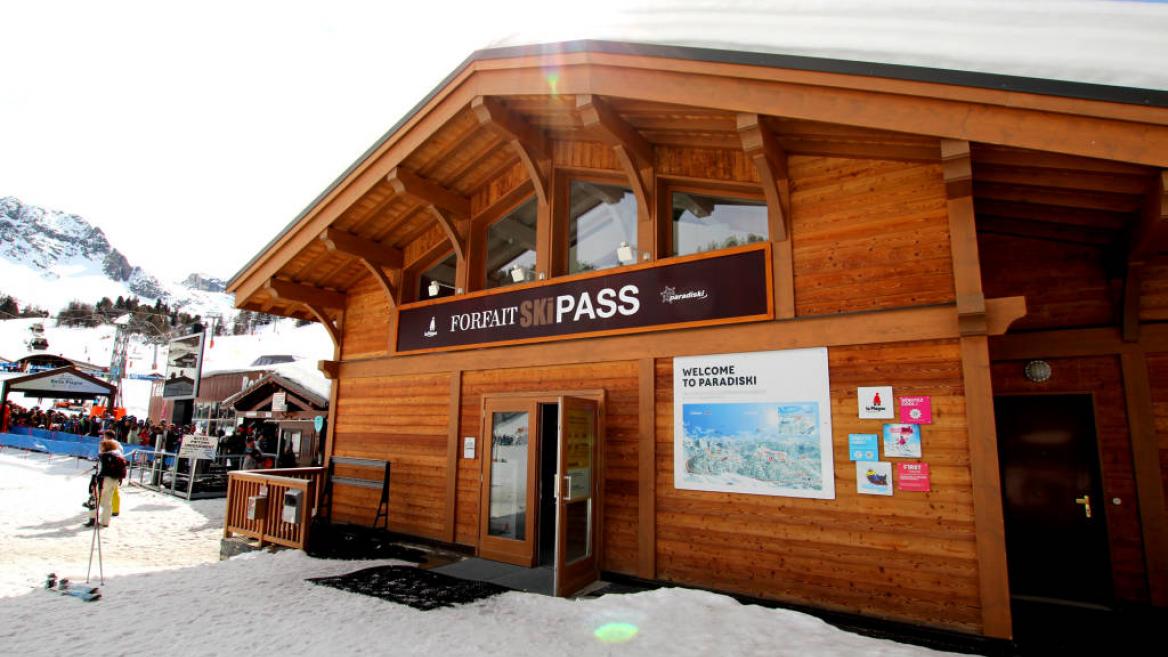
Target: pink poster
913,477
916,410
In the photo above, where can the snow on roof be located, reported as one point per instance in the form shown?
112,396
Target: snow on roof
1087,41
308,344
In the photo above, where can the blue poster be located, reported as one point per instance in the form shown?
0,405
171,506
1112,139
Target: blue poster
753,447
863,447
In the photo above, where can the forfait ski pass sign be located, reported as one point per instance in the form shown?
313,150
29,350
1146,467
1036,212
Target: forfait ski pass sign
729,287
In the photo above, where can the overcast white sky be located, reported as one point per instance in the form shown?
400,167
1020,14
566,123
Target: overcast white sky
193,132
210,125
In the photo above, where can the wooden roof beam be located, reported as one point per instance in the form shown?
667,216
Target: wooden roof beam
761,146
528,141
306,294
381,255
636,157
409,183
446,206
610,128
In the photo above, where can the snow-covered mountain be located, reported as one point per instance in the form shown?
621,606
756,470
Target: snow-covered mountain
49,258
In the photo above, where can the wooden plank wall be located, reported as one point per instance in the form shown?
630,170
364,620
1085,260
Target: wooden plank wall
868,234
1158,378
910,557
1065,285
1100,376
619,380
402,419
366,329
1154,291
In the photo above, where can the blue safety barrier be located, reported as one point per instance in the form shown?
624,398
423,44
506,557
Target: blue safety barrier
82,447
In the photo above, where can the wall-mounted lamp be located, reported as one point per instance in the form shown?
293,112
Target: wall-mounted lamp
624,254
435,288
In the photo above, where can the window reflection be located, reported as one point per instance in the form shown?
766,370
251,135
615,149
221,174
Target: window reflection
602,219
707,223
511,247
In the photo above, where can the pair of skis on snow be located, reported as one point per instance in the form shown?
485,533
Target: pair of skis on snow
65,587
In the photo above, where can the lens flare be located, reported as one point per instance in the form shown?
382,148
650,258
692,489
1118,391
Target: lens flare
553,80
616,632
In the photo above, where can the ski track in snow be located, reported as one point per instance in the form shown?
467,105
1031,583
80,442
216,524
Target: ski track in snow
166,592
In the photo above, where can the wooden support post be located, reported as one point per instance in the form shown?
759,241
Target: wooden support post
332,370
647,471
1148,237
636,157
769,159
1149,482
973,326
450,522
1130,321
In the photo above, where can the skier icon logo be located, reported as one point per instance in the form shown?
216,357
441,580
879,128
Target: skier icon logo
433,329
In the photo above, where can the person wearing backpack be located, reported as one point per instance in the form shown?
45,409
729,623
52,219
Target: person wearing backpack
111,470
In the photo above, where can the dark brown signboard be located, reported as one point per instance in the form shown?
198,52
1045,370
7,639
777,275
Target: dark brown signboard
730,286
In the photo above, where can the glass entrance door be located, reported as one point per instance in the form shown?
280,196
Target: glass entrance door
510,463
577,501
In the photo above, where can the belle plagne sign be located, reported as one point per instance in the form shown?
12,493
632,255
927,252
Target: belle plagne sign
731,287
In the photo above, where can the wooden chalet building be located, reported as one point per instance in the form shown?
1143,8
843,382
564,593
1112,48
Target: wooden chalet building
517,274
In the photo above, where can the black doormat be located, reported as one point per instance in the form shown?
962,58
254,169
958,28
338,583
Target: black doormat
341,541
420,589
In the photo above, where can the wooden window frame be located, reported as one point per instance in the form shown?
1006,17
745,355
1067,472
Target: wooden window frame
666,187
561,208
481,224
414,271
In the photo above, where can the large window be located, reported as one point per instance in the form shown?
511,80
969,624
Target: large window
602,226
438,281
511,247
707,223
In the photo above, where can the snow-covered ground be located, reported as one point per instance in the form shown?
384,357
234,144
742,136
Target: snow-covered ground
167,593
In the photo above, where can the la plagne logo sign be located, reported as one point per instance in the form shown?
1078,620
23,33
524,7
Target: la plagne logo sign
730,286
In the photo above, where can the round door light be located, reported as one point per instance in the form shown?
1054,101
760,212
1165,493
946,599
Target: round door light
1037,371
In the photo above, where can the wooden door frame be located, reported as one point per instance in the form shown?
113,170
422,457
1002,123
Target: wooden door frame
600,396
517,555
574,572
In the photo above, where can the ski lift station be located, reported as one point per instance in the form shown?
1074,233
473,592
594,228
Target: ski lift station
884,339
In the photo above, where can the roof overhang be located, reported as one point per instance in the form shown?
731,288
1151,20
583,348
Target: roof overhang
1085,120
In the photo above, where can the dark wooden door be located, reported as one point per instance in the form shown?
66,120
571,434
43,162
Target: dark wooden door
1056,533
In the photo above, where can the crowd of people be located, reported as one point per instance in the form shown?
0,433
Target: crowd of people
127,430
259,448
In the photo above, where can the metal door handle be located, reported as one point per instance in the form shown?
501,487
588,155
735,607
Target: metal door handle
1086,502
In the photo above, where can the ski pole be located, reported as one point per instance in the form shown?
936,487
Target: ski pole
96,537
